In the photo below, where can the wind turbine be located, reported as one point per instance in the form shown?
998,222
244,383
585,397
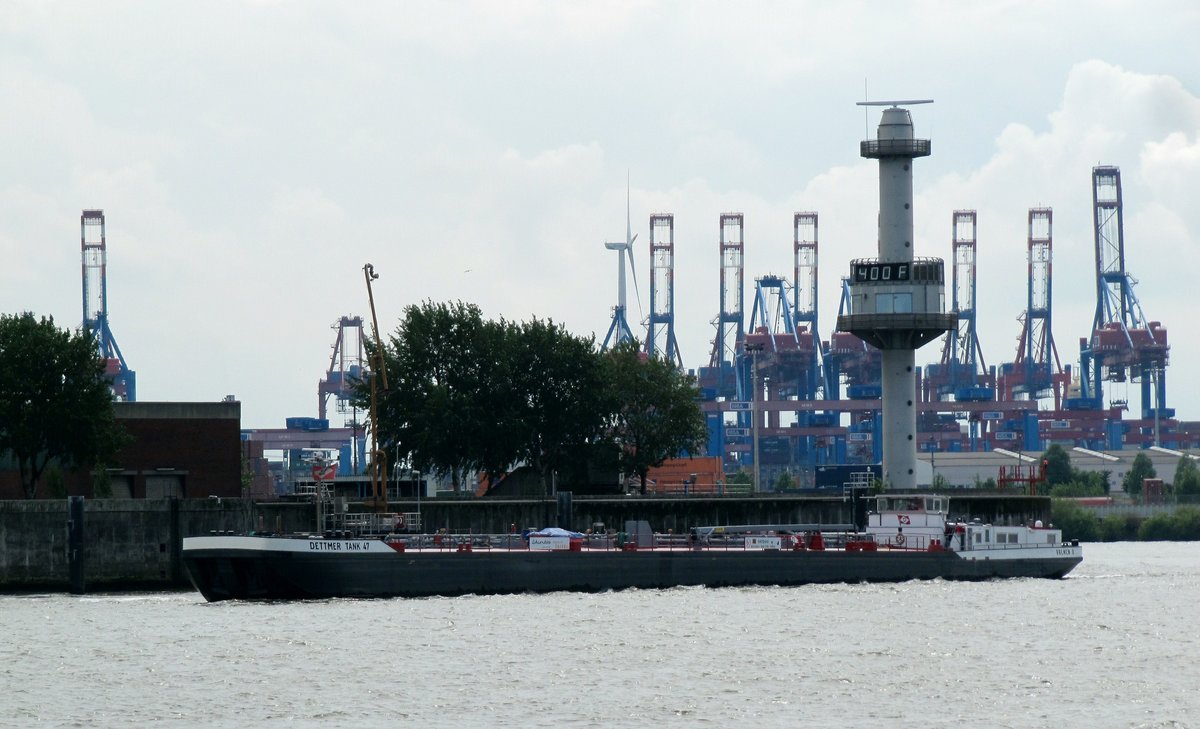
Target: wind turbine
619,331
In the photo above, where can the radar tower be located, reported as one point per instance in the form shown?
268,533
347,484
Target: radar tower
897,300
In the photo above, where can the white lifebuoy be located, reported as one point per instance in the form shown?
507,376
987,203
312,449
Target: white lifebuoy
899,540
399,521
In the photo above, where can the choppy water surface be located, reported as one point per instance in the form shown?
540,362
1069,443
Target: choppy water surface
1117,644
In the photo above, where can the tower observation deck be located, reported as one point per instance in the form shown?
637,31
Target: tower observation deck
897,301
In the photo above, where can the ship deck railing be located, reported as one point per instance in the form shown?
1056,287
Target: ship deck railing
372,524
849,541
447,541
901,541
922,542
990,546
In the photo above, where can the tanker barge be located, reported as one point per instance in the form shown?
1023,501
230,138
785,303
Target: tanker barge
906,538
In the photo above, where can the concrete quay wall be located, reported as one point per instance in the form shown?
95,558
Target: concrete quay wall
94,545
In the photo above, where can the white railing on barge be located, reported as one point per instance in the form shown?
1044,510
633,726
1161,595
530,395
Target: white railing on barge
462,542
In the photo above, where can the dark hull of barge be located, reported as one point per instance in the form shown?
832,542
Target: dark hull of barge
224,574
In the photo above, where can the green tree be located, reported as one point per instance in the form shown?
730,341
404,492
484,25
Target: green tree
1140,469
1077,489
1187,519
469,394
56,484
785,482
247,478
740,482
1058,465
55,402
986,484
1187,477
559,403
657,414
1119,528
447,374
1075,521
102,482
1098,481
1159,528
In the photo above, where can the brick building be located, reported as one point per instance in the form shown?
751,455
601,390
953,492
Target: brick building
182,449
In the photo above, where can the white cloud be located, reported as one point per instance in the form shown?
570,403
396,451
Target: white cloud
1107,116
479,151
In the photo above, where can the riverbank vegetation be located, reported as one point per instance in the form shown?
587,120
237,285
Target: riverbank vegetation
1077,522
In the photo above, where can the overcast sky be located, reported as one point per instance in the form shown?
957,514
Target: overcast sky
250,157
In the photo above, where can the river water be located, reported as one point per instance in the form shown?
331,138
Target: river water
1116,644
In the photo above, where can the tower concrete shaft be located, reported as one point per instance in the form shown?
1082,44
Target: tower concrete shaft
896,150
897,301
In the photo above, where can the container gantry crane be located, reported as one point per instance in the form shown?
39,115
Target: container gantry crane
719,376
962,374
1124,345
1037,372
660,338
346,365
94,249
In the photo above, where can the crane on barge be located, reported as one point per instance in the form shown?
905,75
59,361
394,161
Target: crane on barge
379,376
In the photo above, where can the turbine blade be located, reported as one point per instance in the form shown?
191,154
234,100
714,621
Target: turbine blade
628,227
633,270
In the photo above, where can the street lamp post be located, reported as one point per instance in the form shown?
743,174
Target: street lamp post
754,348
932,463
1157,403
